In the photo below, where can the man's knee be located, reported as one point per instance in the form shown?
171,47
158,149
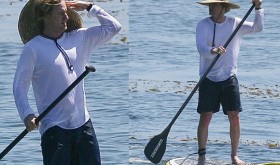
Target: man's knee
205,118
233,117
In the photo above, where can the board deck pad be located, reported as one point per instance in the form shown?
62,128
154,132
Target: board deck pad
178,161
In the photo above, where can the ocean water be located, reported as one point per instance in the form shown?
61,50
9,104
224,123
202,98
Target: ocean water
141,83
163,69
107,90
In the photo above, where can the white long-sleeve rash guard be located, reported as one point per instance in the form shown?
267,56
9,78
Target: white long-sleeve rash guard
42,64
226,65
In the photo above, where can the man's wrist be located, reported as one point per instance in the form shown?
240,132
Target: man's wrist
89,6
259,6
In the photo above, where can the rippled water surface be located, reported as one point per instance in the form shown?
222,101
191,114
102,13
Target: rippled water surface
164,69
138,88
107,91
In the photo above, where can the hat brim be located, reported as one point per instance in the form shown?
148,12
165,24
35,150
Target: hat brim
29,28
231,5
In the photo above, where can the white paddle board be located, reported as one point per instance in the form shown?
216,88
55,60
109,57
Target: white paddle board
183,161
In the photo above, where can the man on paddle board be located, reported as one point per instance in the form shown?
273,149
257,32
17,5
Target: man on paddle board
221,84
55,53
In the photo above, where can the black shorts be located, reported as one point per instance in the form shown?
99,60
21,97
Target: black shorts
76,146
212,94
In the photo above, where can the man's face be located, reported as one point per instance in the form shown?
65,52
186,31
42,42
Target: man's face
58,18
215,9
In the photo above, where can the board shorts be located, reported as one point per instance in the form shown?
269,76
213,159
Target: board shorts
213,94
70,146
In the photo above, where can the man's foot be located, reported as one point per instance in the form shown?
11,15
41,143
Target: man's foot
237,161
201,160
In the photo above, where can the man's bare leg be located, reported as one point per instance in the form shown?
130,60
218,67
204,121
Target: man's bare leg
202,134
234,121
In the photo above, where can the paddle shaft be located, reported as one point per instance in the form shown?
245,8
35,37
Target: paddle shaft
48,109
208,70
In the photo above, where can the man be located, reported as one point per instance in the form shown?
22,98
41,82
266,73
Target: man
55,53
221,84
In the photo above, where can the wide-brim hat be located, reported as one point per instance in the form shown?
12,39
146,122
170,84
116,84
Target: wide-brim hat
230,4
29,26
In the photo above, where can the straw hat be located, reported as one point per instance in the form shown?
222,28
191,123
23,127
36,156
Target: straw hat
230,5
30,24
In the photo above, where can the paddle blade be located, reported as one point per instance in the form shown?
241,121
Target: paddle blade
156,147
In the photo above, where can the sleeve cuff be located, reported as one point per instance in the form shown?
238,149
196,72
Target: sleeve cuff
25,114
94,10
259,10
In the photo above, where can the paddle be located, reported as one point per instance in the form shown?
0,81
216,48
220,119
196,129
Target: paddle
48,109
156,147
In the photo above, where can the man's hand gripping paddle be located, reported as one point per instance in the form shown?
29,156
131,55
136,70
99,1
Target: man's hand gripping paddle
49,108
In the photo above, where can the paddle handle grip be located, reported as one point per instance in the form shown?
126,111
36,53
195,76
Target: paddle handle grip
63,94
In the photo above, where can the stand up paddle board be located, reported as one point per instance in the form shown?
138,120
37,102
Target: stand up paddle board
183,161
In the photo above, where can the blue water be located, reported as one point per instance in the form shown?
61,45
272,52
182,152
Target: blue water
107,91
163,66
140,85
